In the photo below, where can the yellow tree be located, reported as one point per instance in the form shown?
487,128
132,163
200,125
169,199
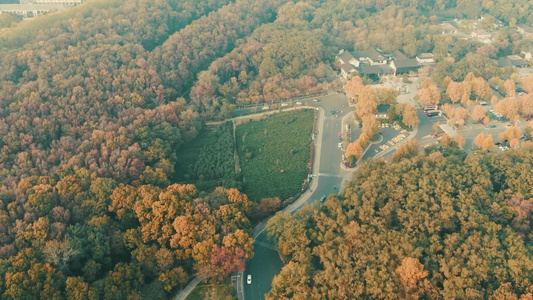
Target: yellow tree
445,141
484,141
454,91
527,83
460,140
409,115
428,93
526,104
410,273
354,149
367,102
508,107
481,88
353,86
478,113
510,88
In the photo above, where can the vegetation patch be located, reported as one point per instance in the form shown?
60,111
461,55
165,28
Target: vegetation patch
208,161
274,154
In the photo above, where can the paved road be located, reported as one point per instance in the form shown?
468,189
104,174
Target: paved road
266,262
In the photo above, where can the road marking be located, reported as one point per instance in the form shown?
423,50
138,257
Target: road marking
268,246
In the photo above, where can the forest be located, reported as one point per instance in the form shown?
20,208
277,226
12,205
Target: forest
97,101
437,225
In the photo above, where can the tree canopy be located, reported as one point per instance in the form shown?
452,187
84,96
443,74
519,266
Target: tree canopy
435,225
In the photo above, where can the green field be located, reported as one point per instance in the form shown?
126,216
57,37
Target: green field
274,154
208,161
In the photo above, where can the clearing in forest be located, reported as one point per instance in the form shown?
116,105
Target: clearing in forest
274,154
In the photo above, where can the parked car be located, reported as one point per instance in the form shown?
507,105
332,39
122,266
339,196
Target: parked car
492,126
315,100
266,107
323,198
249,279
284,104
298,103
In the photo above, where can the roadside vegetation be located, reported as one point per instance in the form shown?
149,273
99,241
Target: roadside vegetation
274,154
437,225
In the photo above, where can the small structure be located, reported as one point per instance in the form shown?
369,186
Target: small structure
370,71
449,27
345,57
449,130
370,56
425,58
518,61
482,36
347,70
382,112
525,30
402,66
30,10
527,53
496,23
504,62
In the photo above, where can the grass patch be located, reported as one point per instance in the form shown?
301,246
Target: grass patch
208,160
274,154
213,291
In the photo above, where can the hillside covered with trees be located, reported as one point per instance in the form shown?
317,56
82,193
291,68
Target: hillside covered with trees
96,101
435,226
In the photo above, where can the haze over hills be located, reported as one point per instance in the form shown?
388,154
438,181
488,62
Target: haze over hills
103,196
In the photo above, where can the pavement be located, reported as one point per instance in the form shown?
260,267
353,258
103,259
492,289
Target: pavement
329,175
266,263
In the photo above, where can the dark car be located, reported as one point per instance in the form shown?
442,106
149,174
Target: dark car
492,126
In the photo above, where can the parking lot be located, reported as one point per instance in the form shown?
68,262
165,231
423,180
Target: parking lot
390,136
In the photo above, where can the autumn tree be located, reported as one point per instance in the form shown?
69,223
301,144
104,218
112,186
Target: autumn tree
407,150
409,115
353,87
510,88
478,113
459,140
527,83
445,141
454,91
484,141
508,107
411,272
366,102
428,93
511,134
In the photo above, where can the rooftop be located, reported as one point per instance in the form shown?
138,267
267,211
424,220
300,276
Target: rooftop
525,28
345,56
370,70
31,7
347,68
371,53
406,63
397,54
425,55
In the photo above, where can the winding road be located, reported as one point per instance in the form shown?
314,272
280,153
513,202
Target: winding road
266,262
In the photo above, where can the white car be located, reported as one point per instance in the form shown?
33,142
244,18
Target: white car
284,104
249,279
265,107
298,103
